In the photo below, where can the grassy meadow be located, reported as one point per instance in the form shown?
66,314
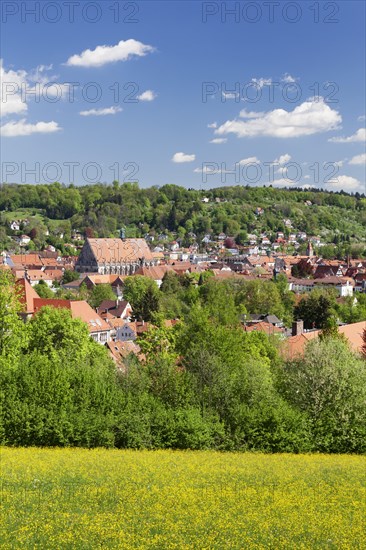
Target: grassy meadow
77,498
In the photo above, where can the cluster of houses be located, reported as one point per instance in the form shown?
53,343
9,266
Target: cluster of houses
112,260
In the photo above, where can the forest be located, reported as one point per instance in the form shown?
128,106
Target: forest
100,210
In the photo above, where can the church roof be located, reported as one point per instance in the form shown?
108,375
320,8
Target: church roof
120,250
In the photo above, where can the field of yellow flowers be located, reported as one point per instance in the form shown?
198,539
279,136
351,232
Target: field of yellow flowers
89,499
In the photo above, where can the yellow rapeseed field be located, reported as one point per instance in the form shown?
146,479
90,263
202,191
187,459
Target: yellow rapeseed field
90,499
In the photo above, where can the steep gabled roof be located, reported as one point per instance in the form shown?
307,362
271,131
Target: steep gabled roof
26,294
119,250
79,310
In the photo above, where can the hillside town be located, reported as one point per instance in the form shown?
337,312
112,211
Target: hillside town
110,261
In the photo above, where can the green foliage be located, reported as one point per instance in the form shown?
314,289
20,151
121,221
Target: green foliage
100,293
204,383
105,208
329,386
143,295
12,330
43,290
315,309
69,276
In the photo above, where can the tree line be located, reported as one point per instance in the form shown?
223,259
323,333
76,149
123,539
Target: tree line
202,384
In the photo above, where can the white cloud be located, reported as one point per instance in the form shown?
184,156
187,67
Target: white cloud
358,159
338,163
124,50
208,169
22,128
249,160
283,159
347,183
361,118
10,99
148,95
101,112
230,95
213,125
311,117
307,177
183,157
288,79
261,82
250,114
218,140
360,135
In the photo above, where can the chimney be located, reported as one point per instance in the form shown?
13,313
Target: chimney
297,327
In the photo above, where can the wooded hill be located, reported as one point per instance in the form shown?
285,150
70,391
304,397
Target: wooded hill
104,209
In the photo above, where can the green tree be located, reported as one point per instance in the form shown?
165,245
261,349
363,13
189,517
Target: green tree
100,293
12,329
43,290
69,276
315,309
329,385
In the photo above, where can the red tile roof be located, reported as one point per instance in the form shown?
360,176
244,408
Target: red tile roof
79,310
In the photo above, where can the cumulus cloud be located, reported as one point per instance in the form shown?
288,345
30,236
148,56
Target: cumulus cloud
123,51
23,128
218,140
261,82
249,160
10,98
212,125
148,95
101,112
311,117
183,157
360,135
250,114
347,183
361,118
358,159
288,79
282,159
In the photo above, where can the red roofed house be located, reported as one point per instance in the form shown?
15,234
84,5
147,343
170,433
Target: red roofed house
98,328
295,345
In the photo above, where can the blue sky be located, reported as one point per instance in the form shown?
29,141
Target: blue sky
273,93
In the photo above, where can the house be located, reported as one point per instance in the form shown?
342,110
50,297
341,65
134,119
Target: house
205,199
295,345
23,240
174,246
323,271
48,276
262,326
344,285
114,256
221,237
119,351
130,331
77,236
155,272
254,319
15,225
115,308
259,211
99,330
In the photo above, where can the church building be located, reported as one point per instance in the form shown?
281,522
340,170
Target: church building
114,256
